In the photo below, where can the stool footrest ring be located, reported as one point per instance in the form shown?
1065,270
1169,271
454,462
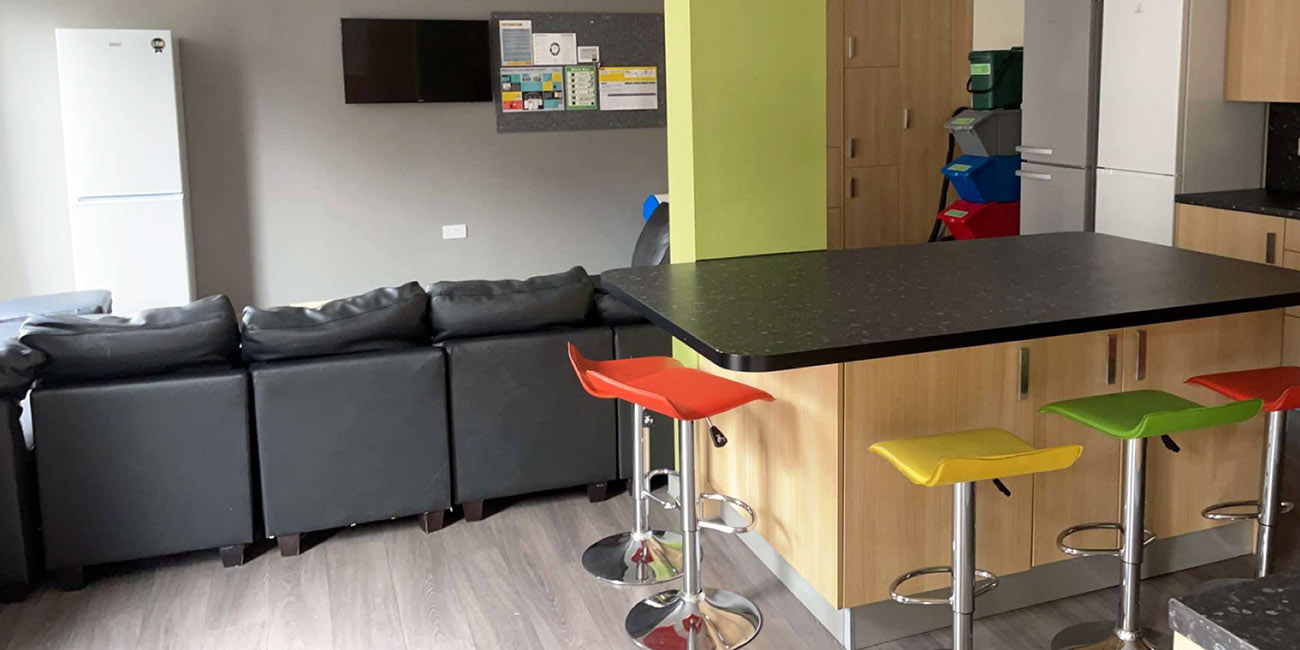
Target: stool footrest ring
1215,513
716,523
1147,538
989,583
645,488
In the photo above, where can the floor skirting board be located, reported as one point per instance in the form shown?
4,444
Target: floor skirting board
868,625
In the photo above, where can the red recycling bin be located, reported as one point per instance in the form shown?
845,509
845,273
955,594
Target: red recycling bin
968,220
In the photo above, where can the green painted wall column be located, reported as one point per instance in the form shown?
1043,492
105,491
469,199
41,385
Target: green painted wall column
746,126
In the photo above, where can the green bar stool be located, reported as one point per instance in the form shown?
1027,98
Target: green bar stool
1133,417
960,459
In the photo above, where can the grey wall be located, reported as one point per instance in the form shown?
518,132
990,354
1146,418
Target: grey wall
298,196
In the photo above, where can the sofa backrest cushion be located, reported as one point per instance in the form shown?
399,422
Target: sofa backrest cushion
18,367
202,334
613,311
383,319
652,245
482,307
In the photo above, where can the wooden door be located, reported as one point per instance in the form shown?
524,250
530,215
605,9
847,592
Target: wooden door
1240,235
872,117
1069,367
1221,464
871,36
926,95
1263,51
870,207
891,525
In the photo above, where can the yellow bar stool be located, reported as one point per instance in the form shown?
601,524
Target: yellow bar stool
961,459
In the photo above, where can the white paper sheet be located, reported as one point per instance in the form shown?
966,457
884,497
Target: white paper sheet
555,49
516,42
629,88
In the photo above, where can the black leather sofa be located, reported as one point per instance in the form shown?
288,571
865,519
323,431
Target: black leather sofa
20,547
350,403
143,436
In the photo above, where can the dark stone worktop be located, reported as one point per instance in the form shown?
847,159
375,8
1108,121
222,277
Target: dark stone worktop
1259,615
1277,203
793,310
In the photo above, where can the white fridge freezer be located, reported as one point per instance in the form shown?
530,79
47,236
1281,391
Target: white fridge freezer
1136,205
1060,199
124,150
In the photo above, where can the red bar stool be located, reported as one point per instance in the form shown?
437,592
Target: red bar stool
640,556
1279,388
694,617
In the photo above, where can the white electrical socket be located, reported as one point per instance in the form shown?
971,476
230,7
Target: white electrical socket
455,231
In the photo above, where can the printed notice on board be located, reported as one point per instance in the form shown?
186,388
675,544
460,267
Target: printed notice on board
532,89
629,88
516,42
580,88
555,49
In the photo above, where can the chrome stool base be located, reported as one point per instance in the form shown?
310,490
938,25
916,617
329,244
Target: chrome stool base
714,620
1100,635
632,559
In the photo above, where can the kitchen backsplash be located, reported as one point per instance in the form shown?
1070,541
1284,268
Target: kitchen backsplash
1283,170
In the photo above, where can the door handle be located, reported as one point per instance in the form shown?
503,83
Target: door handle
853,147
853,188
907,118
1024,374
1033,176
1041,151
1140,369
1270,248
1112,359
853,47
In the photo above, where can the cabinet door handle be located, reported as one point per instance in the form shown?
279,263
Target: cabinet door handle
853,46
1039,151
1140,369
1112,359
1024,374
853,147
1270,248
1033,176
853,188
907,118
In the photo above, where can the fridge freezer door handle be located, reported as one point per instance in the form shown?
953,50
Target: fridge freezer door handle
1037,151
128,198
1033,176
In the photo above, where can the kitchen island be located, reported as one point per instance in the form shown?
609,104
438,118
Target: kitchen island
866,345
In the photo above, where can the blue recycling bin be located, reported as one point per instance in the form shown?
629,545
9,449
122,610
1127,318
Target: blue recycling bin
985,180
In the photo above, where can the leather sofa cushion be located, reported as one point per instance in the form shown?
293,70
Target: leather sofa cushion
613,311
483,307
202,334
382,319
18,367
652,245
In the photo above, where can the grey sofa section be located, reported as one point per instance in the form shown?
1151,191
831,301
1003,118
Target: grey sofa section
520,422
352,438
19,543
143,467
72,302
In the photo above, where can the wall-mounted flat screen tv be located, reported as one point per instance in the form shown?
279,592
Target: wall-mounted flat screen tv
387,61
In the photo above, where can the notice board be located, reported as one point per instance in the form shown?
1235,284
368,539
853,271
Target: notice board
623,39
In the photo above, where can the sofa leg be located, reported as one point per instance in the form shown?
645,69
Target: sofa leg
474,510
13,592
597,492
290,545
232,556
70,579
432,521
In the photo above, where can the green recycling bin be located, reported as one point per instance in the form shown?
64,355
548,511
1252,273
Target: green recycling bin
996,78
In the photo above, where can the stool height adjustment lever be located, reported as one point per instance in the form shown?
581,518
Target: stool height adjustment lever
716,435
1002,487
1170,444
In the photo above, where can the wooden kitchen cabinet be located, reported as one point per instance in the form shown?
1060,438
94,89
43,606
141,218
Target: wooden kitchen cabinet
873,117
870,207
1240,235
1263,51
871,33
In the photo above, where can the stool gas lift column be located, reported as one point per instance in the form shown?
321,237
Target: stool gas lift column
641,556
1133,417
1279,388
694,617
960,459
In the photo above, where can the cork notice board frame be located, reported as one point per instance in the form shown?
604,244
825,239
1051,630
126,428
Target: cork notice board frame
624,40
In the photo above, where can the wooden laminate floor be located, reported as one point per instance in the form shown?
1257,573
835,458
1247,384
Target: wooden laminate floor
511,581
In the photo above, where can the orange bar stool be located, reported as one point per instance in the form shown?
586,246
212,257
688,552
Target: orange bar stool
640,556
694,617
1279,389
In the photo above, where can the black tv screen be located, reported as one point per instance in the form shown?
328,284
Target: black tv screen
388,61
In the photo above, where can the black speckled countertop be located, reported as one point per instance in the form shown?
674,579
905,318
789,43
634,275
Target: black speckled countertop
775,312
1277,203
1259,615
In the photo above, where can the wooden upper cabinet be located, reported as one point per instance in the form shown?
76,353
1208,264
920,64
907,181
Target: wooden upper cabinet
1263,51
873,117
1239,235
871,33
